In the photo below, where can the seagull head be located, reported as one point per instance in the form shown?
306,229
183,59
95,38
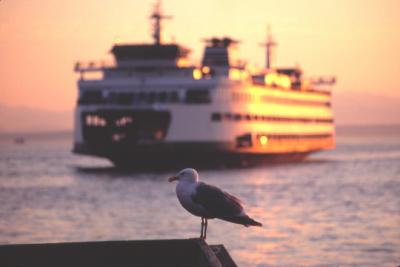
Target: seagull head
187,175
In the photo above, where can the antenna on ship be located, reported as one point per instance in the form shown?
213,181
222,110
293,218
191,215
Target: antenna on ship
268,47
157,16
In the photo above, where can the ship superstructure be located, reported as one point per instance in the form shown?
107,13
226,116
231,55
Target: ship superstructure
151,107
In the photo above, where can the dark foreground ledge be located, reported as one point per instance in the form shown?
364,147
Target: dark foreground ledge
149,253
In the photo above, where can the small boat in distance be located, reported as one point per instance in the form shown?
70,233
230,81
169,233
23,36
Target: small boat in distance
19,140
151,107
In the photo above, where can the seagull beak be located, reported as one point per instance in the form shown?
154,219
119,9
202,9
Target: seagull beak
173,178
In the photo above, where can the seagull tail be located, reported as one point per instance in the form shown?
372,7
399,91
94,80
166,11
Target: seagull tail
244,220
253,223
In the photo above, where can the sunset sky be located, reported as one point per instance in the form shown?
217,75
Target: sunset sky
358,41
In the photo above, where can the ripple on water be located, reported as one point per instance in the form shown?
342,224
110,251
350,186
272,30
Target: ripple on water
339,208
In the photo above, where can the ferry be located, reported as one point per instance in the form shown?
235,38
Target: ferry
150,107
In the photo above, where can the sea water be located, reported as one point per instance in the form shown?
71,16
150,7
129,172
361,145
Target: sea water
338,208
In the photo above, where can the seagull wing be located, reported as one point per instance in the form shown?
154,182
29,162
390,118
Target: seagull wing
222,205
218,203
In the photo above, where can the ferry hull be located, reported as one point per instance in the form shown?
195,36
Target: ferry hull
183,154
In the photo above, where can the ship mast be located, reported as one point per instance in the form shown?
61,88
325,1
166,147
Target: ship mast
268,47
157,16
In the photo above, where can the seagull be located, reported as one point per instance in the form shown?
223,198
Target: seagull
208,201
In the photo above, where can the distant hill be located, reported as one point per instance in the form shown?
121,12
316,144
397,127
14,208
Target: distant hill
350,108
24,119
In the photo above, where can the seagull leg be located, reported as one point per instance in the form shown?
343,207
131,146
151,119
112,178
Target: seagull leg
205,228
202,228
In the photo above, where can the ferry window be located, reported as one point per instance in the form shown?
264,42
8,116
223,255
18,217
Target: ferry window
133,96
162,97
151,97
227,116
247,117
142,97
237,117
130,97
244,141
112,98
173,97
196,96
216,117
94,120
125,98
91,97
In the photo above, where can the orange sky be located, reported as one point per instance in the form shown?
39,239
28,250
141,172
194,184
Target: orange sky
356,40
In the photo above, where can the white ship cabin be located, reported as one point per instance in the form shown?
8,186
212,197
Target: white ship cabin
153,73
160,73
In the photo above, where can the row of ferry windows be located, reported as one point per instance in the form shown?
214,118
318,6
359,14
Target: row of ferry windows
127,98
270,99
247,117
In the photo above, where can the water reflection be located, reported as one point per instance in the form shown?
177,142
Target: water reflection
337,208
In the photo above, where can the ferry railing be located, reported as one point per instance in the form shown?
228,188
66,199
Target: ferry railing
323,80
93,66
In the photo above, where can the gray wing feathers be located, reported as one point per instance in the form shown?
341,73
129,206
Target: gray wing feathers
217,202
